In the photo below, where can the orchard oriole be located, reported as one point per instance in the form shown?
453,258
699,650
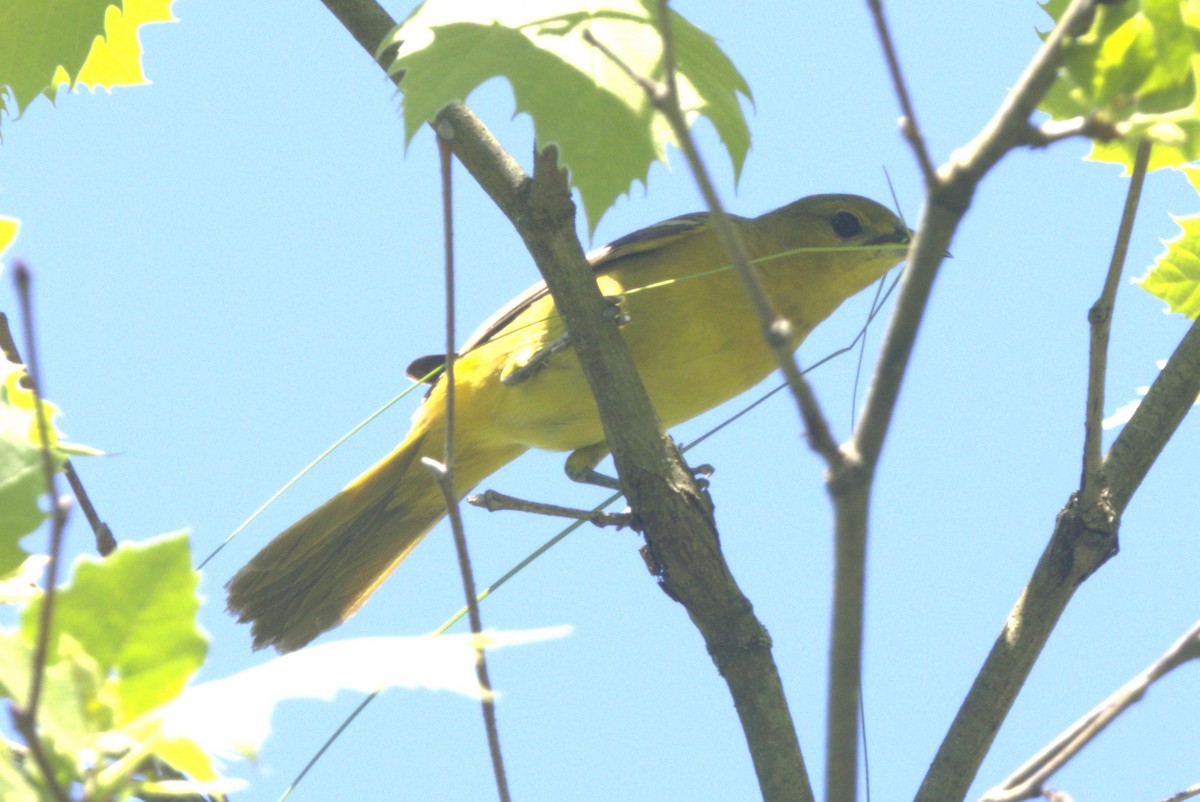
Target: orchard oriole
692,333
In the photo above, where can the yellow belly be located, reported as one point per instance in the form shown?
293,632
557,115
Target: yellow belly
681,337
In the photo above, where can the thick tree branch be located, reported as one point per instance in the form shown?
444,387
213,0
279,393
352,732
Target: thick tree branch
1155,420
675,515
1084,537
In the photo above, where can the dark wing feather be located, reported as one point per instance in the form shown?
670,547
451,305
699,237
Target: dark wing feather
602,260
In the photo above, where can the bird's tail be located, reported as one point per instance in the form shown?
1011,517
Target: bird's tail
316,573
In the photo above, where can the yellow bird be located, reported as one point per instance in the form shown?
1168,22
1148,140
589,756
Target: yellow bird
694,338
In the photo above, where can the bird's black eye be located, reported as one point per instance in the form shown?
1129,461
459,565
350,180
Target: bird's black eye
846,225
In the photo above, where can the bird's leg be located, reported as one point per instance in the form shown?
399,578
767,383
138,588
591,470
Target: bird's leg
581,467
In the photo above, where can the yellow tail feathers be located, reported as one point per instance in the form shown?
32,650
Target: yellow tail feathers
316,573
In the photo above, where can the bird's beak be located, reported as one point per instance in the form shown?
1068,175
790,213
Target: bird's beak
901,236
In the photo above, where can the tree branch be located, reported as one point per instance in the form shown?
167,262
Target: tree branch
105,542
676,516
1027,781
444,476
493,501
1155,420
1092,483
1084,537
908,122
25,716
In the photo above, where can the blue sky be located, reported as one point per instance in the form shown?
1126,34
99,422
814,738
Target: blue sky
234,265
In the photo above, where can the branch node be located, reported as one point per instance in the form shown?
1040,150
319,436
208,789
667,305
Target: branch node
780,333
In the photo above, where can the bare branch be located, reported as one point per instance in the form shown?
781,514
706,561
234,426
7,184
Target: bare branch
1082,541
105,543
908,122
1091,483
1053,131
25,716
1191,792
676,515
1155,420
744,661
492,501
444,476
1027,781
946,204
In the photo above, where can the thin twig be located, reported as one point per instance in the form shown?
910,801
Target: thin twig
105,543
908,122
25,718
1091,483
1191,792
445,481
1027,781
736,639
493,501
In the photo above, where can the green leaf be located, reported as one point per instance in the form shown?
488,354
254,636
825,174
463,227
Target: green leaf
14,786
22,473
72,711
135,614
606,131
1175,275
1175,144
16,659
1135,68
70,714
38,36
46,43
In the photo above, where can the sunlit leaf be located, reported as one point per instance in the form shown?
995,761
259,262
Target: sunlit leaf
232,716
38,37
9,226
14,783
1175,275
1135,68
134,612
94,42
22,470
116,58
22,584
71,713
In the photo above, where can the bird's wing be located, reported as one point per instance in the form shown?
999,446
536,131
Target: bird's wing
603,260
